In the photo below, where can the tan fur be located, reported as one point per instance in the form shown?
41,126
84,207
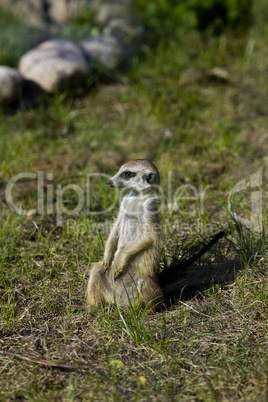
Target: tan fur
130,266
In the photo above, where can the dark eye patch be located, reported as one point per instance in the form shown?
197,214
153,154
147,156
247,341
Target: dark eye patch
149,177
127,174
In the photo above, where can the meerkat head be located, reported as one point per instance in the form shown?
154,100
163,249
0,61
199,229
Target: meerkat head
137,175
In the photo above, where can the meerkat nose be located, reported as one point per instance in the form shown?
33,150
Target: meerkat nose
109,183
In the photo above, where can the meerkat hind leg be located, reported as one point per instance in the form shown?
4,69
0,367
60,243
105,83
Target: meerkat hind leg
141,291
98,290
127,291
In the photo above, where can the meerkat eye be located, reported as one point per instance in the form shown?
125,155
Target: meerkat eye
148,177
128,175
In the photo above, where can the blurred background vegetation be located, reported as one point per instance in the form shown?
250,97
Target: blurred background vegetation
165,18
170,95
212,16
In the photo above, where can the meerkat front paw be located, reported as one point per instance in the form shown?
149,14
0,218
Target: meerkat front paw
119,266
105,267
117,275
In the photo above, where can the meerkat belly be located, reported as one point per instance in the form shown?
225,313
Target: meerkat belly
129,231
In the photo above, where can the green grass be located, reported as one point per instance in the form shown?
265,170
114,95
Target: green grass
16,38
205,136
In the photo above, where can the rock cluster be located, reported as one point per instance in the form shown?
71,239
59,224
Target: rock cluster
62,64
41,13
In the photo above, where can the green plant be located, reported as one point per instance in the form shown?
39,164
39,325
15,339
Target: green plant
214,15
15,38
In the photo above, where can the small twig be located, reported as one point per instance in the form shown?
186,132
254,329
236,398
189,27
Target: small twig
63,366
196,311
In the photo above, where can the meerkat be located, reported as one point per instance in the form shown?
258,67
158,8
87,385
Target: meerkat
128,273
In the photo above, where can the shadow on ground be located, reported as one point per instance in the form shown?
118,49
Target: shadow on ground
218,262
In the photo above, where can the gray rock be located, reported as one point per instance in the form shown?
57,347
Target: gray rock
11,85
57,11
55,64
113,9
218,74
38,13
75,7
103,50
41,13
130,31
32,12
